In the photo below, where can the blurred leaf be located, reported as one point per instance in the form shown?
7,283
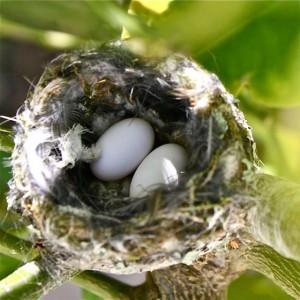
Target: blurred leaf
48,39
267,51
289,141
252,285
198,25
6,141
92,20
86,295
278,147
6,220
5,173
153,5
17,248
8,265
148,10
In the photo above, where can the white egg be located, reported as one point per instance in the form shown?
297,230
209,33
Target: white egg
122,147
161,167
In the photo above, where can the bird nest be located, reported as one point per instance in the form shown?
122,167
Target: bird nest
92,224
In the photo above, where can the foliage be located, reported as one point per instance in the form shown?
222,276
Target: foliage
252,46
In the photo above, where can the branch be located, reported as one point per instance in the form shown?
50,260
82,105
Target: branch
275,219
283,271
185,282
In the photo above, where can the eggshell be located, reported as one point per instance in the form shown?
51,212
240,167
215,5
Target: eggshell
161,167
122,148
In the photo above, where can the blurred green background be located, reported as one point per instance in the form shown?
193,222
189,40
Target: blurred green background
253,46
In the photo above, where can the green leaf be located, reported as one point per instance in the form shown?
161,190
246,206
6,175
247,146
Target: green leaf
277,145
198,25
266,52
6,141
17,248
91,20
5,175
47,39
8,265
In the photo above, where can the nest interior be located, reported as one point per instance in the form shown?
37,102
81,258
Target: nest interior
79,96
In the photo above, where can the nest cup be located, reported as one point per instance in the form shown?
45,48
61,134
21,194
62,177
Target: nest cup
91,224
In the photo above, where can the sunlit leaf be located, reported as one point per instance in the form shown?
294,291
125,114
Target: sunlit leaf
278,147
5,174
198,25
154,5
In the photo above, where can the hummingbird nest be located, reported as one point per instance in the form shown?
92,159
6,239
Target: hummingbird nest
92,224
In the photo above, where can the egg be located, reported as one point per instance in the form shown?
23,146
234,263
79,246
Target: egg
122,147
161,167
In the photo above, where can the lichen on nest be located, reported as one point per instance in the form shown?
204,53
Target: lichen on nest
94,224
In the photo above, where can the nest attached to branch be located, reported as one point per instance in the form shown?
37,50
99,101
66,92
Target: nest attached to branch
92,224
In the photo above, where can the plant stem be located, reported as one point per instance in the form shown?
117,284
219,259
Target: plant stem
19,284
275,219
31,281
103,286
